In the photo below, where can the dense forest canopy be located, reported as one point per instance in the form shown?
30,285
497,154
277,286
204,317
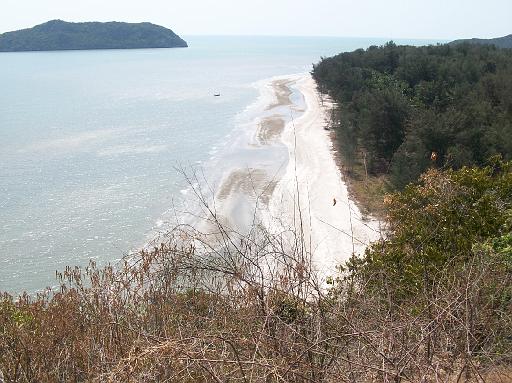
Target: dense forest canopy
61,35
405,108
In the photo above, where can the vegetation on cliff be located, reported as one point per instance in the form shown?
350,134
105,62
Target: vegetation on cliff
430,303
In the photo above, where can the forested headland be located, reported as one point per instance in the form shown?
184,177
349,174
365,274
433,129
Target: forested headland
500,42
58,35
403,109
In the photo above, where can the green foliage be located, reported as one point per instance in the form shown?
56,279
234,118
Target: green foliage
436,224
401,103
13,315
382,117
288,308
503,246
60,35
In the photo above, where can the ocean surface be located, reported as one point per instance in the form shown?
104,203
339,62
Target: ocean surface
91,142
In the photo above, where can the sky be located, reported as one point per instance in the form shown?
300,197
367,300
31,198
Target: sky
429,19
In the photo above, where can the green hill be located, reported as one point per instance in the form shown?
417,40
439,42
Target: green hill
500,42
60,35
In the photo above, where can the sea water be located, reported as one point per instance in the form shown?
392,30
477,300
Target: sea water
92,142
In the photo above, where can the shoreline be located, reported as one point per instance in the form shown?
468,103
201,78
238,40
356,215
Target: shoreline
245,187
311,186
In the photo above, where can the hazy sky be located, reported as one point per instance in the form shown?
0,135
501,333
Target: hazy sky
439,19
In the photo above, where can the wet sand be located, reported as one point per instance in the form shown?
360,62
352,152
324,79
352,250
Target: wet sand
282,93
270,129
244,191
311,187
251,182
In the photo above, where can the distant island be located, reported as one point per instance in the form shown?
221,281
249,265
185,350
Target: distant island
500,42
59,35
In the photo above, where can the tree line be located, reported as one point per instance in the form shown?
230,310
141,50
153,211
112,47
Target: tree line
407,108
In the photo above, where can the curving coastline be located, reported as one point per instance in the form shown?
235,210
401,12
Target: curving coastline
313,189
304,190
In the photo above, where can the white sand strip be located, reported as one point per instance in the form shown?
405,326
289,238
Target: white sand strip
311,184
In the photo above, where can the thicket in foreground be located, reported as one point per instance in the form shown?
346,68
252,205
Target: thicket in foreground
431,303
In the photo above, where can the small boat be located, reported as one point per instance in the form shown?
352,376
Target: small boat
216,95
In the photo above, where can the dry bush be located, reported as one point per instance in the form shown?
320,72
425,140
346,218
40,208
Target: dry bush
233,307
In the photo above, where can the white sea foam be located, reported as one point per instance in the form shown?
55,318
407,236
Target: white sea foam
72,142
130,149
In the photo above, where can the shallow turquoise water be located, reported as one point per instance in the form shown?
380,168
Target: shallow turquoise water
89,140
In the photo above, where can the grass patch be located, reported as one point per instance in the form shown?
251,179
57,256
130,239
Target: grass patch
366,190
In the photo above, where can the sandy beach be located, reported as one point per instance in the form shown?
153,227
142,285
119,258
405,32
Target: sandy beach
313,189
308,193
